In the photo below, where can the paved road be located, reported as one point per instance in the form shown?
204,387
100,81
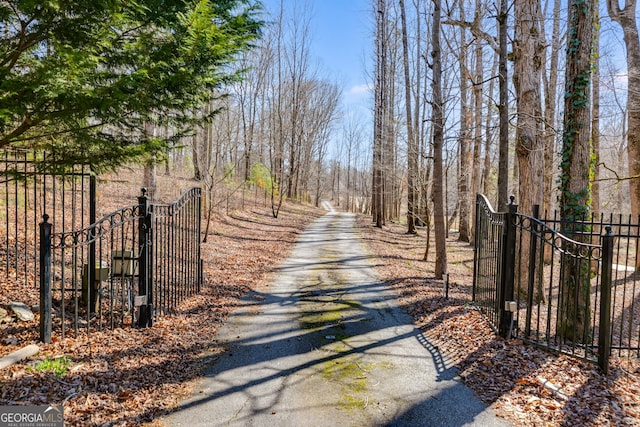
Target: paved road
328,346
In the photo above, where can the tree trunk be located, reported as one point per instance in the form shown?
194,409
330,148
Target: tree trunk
626,17
550,120
551,92
418,124
527,47
150,182
412,151
195,156
390,192
379,115
438,142
595,118
464,140
527,72
149,176
503,107
488,140
575,190
477,118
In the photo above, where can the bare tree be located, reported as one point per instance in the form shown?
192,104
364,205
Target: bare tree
488,135
527,46
319,112
550,114
417,111
625,16
503,107
478,84
352,134
464,138
296,57
379,114
595,116
248,94
412,150
438,141
393,171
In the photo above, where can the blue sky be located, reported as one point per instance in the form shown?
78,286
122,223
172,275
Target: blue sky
342,39
341,42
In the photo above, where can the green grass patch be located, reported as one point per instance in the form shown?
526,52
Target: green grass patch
58,366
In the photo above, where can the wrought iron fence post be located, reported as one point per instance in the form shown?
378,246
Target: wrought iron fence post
149,263
604,338
145,313
45,280
199,240
92,282
508,269
476,245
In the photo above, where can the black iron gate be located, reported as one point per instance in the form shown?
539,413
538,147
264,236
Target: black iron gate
132,264
30,185
523,275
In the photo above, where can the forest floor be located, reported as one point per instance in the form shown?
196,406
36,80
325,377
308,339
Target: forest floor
130,376
524,384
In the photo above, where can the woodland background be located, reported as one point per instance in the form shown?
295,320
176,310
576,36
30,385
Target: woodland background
534,98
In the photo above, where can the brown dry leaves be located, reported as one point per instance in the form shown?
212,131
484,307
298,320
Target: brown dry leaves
129,376
526,385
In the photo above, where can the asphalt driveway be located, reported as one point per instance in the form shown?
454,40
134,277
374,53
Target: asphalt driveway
327,345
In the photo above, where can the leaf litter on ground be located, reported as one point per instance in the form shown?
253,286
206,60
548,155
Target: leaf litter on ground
130,376
525,384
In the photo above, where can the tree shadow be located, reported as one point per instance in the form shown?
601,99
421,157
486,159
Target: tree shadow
283,339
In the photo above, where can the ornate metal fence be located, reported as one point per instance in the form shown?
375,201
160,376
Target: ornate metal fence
546,288
145,258
624,233
176,265
490,231
29,182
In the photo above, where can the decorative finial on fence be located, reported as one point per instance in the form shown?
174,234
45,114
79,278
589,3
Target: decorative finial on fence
608,230
144,191
512,199
45,218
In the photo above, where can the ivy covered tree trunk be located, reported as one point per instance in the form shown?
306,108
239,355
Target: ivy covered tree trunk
576,170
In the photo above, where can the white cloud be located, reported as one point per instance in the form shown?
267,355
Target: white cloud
365,88
359,96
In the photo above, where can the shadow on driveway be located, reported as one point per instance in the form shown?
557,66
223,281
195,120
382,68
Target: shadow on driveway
325,345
